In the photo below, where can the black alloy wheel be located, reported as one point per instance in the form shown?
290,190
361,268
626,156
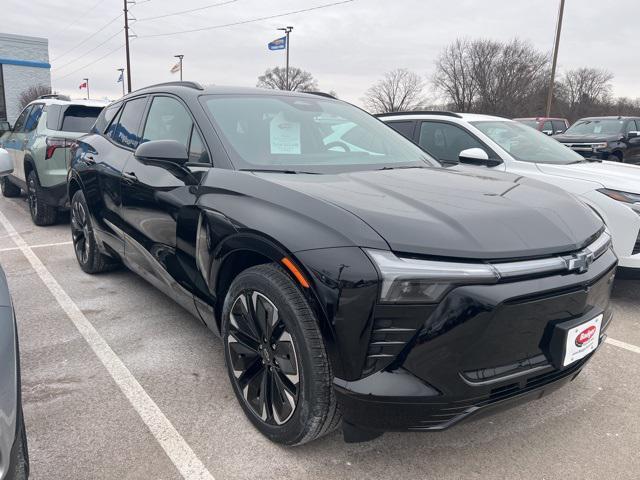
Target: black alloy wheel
88,254
263,358
276,358
42,214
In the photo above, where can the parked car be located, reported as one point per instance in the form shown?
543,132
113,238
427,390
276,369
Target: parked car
493,143
39,146
4,127
547,125
370,287
606,138
14,455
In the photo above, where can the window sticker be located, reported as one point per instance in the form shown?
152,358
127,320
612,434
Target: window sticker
284,136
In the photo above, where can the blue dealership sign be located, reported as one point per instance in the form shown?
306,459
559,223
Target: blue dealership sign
278,44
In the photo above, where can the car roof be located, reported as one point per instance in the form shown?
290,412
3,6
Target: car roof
540,119
610,117
83,102
469,117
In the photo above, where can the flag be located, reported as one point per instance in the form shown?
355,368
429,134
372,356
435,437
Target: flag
175,68
120,78
82,85
278,44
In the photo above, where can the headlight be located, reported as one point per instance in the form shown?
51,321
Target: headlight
632,199
597,146
406,280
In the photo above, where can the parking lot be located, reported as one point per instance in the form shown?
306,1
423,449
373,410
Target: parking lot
120,382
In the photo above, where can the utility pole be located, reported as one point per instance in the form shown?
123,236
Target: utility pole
555,58
126,44
180,57
86,80
121,70
287,31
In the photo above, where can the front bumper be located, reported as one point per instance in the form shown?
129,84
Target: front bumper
484,348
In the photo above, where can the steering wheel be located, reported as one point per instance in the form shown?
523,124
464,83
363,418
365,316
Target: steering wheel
342,145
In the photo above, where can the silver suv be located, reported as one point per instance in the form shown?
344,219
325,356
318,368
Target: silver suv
39,147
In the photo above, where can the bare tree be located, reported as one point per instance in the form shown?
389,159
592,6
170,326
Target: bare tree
586,91
299,80
399,91
32,93
454,76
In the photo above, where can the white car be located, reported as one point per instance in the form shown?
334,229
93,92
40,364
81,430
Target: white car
480,141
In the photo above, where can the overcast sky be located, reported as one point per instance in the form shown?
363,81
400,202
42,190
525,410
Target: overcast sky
347,47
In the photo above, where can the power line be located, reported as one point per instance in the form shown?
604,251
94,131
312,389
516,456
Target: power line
187,11
88,51
243,22
91,63
93,33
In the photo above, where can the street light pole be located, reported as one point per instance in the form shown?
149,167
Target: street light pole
121,70
126,44
555,58
86,81
287,31
180,57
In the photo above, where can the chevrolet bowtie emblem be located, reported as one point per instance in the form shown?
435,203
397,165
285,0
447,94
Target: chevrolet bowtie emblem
579,262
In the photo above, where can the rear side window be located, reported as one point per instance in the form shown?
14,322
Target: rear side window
79,118
558,126
106,117
403,128
34,115
125,130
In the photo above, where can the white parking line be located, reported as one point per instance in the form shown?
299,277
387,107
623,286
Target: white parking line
41,245
626,346
174,445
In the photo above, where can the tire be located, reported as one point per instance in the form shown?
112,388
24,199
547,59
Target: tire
294,351
9,189
88,254
616,157
21,466
42,213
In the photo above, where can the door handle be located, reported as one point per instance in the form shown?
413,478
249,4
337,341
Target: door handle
130,177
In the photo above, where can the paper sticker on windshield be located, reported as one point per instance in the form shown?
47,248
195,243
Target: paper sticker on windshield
284,136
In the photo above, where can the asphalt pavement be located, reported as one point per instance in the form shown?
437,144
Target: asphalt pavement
119,382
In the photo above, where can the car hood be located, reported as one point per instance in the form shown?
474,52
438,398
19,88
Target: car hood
613,175
433,211
593,138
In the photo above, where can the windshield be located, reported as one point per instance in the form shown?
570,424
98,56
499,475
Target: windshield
609,126
526,144
269,132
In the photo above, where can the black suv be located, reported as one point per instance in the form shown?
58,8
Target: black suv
605,138
354,283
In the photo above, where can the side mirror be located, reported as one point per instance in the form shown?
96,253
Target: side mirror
633,134
6,164
163,150
477,156
547,132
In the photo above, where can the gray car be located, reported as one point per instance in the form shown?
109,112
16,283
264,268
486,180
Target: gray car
14,457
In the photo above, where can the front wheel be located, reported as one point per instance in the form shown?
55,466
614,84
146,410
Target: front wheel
88,254
276,358
42,213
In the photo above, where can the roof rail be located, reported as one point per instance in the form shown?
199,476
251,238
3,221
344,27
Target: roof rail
420,112
320,94
188,84
57,96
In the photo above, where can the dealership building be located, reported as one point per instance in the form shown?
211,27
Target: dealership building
24,63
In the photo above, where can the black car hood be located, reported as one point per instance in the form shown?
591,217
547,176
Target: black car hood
568,138
433,211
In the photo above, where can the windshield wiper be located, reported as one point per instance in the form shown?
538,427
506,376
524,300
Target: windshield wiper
401,167
275,170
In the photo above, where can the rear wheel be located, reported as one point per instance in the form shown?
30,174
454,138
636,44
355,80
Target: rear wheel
41,213
276,358
88,254
9,190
